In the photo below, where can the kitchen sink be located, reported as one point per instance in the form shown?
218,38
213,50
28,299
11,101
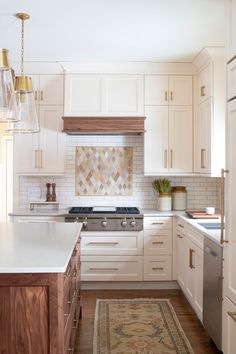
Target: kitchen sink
210,225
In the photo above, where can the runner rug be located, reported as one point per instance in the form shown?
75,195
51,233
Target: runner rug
138,326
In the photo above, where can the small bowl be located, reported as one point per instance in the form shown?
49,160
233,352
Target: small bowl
210,210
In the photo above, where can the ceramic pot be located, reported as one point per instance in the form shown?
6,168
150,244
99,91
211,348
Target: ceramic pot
164,202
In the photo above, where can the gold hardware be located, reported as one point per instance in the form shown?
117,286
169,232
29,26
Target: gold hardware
181,226
191,251
232,315
36,95
41,95
157,223
157,268
171,95
35,158
157,242
203,93
4,60
179,236
103,268
171,158
103,243
23,83
41,158
166,96
165,152
202,158
222,182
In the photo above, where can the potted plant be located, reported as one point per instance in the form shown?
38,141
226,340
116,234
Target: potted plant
163,186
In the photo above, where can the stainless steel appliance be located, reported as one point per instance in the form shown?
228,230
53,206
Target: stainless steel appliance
212,290
107,218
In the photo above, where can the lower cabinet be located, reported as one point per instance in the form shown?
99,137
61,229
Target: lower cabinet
190,265
229,327
40,312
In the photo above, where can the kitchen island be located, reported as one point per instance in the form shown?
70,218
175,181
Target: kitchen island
39,287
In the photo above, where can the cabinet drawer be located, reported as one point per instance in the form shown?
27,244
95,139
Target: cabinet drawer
157,223
112,268
195,236
130,243
157,242
158,268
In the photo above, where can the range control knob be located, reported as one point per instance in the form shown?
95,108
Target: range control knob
123,223
132,223
85,222
104,222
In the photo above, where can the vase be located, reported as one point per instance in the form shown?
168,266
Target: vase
164,202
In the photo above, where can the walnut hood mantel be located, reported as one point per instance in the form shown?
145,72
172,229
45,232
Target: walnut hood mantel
103,125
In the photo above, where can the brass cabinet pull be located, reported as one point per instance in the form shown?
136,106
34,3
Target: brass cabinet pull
41,158
157,268
171,158
191,251
165,163
166,96
36,95
232,315
103,243
222,182
203,165
103,268
171,95
179,236
35,158
203,92
157,242
181,226
41,95
157,223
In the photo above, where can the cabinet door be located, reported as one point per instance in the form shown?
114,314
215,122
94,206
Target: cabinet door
203,138
230,248
51,140
180,90
182,259
198,293
156,90
204,84
190,277
231,29
229,327
51,89
83,95
231,80
180,139
123,95
156,140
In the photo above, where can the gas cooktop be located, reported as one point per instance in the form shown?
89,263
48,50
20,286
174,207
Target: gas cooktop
104,210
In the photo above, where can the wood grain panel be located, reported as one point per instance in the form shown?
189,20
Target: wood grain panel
5,325
29,320
80,125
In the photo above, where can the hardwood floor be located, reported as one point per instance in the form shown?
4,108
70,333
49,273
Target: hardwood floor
200,341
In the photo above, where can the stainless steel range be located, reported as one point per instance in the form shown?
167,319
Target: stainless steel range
107,218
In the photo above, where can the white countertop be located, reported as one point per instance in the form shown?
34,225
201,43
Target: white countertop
37,247
39,212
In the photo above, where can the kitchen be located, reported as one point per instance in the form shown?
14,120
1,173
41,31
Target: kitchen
168,99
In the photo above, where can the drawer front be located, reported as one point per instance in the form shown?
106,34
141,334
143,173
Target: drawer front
157,242
195,236
158,268
181,225
112,245
157,223
113,268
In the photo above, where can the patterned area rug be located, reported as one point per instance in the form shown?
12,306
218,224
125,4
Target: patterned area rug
138,326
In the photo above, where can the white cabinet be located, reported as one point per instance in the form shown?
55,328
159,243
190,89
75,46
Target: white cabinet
168,140
35,219
231,80
229,327
168,90
103,95
43,153
190,265
209,122
158,248
231,29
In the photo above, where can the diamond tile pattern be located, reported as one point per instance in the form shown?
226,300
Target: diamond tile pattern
103,170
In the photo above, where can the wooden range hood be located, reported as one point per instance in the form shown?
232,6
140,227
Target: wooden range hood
103,125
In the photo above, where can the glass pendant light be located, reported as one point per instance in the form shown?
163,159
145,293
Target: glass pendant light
28,122
8,105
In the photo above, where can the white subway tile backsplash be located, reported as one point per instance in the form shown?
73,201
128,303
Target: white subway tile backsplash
202,191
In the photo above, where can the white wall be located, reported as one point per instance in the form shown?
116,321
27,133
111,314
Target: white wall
202,191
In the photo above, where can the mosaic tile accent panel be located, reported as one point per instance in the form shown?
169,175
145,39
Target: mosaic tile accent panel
103,170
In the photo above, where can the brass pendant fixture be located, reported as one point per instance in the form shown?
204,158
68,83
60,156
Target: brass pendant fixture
8,105
28,119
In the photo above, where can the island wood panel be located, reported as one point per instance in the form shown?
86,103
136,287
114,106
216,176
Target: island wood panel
80,125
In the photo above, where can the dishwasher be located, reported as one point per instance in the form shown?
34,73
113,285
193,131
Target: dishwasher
212,290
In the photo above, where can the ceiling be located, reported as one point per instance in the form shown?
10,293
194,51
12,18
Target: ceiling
112,30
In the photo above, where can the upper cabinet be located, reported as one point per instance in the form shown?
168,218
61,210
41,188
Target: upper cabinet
42,153
103,95
231,29
209,122
168,111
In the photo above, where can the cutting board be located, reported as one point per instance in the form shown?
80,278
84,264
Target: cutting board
201,214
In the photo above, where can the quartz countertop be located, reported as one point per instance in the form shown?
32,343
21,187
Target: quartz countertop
38,212
37,247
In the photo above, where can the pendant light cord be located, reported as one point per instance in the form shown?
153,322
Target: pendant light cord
22,46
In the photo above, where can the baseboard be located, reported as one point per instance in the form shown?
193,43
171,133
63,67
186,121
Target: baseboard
136,285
